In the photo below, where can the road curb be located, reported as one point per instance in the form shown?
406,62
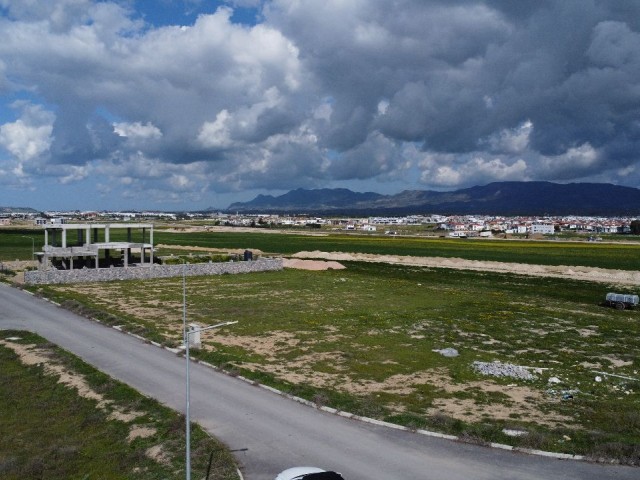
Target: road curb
381,423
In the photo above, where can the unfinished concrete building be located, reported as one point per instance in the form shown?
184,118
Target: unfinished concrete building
95,245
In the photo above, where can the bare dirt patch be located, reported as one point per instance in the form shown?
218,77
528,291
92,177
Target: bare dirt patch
312,264
140,431
616,362
521,401
238,251
158,454
560,271
266,346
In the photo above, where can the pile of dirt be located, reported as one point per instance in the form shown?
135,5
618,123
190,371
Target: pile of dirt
237,251
311,264
623,277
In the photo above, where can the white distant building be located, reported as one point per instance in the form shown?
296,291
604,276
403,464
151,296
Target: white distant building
543,228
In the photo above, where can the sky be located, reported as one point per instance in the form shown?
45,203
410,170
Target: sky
191,104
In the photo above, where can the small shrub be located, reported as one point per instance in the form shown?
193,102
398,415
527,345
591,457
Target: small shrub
320,399
616,452
472,438
445,422
535,440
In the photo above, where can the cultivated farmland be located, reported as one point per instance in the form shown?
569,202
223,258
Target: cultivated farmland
623,256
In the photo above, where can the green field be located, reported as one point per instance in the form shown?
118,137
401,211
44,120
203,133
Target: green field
623,256
16,244
604,255
50,431
363,340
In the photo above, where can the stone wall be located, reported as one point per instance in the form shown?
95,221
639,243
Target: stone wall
146,272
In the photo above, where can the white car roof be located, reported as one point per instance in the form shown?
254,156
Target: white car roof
312,473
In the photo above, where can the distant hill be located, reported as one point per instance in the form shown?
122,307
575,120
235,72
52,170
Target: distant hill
498,198
17,210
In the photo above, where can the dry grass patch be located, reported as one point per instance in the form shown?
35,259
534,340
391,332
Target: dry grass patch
31,355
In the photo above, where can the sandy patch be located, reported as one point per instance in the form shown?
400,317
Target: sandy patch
589,331
400,384
139,431
311,264
520,402
222,228
158,454
616,362
267,346
560,271
31,355
238,251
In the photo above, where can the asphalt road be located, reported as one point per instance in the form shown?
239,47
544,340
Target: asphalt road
280,433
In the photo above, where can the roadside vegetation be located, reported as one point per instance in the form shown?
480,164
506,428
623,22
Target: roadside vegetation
62,419
369,340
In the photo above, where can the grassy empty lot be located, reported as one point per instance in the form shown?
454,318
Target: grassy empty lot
62,419
363,340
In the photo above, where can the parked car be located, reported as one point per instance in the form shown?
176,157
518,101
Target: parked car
308,473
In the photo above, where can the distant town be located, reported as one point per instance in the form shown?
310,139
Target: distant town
453,226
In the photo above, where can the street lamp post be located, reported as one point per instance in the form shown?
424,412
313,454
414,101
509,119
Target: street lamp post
33,246
186,345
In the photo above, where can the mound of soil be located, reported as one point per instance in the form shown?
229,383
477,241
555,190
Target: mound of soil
623,277
311,264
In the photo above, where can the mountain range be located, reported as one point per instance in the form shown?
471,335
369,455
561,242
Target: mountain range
498,198
17,210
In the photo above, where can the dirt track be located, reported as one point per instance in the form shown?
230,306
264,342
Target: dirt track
623,277
328,260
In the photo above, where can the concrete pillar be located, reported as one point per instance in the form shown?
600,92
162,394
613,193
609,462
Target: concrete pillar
64,238
98,259
126,257
88,236
71,263
151,243
46,236
106,234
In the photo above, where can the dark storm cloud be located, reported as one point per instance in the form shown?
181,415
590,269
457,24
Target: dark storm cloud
452,93
456,73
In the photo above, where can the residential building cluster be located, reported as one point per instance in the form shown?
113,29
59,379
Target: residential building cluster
453,226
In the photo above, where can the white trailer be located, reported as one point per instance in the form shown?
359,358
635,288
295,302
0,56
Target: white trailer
621,301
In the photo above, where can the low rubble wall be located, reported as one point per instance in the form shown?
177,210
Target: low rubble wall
146,272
